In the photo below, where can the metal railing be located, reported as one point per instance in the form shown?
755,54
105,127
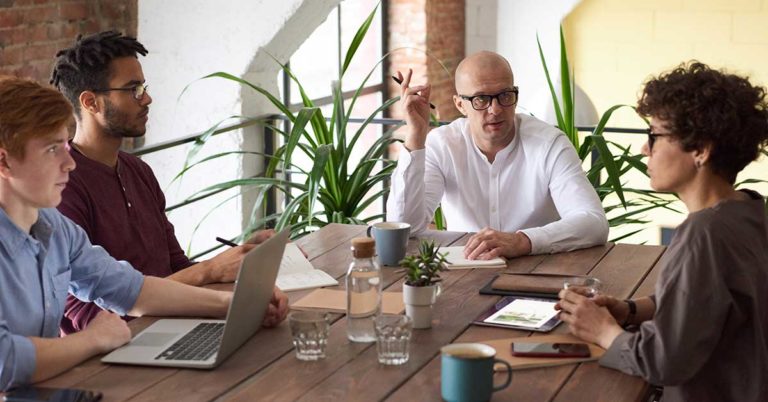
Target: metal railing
270,141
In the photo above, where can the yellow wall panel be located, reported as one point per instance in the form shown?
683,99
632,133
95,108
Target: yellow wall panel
693,27
750,27
612,55
720,5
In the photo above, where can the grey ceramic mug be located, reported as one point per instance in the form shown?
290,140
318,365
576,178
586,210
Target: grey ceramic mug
391,241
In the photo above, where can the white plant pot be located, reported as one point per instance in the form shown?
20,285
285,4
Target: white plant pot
418,303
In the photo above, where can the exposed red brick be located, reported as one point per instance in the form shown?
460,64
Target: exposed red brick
47,13
74,11
40,52
32,31
9,18
435,26
11,55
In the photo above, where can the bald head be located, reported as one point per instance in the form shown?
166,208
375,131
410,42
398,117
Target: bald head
479,68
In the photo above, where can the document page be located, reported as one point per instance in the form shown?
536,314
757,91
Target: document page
524,313
456,258
296,272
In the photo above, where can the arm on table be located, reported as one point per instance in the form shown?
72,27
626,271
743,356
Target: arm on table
582,219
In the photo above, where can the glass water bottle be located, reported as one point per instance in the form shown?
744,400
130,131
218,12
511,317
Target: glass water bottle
363,291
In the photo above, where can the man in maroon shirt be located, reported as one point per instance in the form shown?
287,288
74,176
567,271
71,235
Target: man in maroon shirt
113,195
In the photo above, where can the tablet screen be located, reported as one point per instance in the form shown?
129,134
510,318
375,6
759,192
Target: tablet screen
533,314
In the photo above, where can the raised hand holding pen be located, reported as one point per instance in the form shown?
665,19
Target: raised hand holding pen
415,103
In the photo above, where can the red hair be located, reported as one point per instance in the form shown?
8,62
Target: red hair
29,110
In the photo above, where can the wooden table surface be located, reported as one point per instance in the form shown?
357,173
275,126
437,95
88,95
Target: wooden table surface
265,367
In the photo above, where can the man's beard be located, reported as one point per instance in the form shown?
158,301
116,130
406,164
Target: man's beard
118,123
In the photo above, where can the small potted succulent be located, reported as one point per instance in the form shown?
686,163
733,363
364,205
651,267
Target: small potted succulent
422,286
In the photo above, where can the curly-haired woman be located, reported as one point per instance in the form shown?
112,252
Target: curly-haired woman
703,335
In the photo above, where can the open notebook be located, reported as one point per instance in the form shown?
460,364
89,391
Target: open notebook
296,272
457,261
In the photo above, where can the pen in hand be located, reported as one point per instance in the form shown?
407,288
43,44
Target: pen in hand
225,241
399,81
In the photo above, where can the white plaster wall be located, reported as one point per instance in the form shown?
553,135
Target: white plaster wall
188,39
481,25
509,27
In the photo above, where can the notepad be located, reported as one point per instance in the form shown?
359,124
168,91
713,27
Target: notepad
336,301
296,272
457,261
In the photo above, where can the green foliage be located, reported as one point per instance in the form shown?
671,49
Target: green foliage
336,189
424,268
612,162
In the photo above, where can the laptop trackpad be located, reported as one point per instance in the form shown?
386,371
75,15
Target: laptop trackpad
155,339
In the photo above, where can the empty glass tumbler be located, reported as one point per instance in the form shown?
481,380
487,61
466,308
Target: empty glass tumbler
310,334
393,337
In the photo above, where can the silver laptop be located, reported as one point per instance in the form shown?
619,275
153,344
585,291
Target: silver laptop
206,343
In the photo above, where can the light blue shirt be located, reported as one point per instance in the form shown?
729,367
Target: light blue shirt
36,271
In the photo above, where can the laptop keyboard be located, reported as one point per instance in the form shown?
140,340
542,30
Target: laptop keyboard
198,344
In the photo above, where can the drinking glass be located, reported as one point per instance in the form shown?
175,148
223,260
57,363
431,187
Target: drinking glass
310,334
592,285
393,336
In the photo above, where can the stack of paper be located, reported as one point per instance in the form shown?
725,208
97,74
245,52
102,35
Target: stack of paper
296,272
457,261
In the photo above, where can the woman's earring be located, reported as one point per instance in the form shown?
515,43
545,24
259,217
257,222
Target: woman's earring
698,164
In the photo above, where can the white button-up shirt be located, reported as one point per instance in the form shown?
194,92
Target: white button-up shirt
535,185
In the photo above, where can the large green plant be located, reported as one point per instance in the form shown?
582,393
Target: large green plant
336,188
611,161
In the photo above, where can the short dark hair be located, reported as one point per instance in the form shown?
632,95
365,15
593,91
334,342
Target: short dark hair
710,107
29,110
85,66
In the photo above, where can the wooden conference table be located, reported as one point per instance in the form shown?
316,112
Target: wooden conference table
265,367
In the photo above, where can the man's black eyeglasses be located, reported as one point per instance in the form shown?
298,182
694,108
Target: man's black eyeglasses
653,136
138,90
482,102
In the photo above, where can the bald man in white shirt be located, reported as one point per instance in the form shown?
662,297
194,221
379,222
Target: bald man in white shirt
515,180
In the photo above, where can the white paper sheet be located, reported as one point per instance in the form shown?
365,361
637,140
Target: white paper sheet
524,313
456,258
296,272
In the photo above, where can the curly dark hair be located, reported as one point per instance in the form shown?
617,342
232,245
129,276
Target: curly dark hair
704,107
85,66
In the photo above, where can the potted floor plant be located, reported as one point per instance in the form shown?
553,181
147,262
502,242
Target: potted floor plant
422,286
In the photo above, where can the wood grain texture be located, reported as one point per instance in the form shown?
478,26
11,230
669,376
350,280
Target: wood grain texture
265,368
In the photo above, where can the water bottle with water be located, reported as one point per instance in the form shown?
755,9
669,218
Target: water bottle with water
364,283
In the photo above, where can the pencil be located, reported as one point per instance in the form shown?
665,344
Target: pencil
225,241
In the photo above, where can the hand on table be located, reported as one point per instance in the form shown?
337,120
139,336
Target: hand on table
488,244
415,104
587,319
277,309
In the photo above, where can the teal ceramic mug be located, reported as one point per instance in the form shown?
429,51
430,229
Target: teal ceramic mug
466,372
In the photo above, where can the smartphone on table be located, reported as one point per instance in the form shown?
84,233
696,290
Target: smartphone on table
549,349
40,394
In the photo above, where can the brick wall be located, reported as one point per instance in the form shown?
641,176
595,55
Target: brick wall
32,31
436,26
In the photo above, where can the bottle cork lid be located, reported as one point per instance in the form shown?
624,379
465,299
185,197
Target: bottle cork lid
363,247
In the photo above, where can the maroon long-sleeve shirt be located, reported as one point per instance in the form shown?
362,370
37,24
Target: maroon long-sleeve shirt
123,210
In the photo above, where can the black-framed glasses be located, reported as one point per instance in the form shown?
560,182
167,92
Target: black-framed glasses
482,102
137,90
653,136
